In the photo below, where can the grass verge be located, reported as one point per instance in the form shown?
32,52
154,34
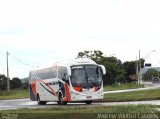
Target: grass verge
14,94
152,94
88,112
122,86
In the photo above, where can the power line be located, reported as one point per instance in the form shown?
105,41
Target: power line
20,61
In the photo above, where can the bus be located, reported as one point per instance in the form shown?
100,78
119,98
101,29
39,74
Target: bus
78,80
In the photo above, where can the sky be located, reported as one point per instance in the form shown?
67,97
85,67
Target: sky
41,32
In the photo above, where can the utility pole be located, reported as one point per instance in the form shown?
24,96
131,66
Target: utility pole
140,78
139,60
8,80
137,74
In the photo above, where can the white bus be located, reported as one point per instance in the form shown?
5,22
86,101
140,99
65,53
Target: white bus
75,80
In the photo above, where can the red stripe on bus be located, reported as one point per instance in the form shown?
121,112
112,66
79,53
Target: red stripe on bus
67,97
33,85
50,88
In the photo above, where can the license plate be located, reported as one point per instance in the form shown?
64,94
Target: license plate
88,96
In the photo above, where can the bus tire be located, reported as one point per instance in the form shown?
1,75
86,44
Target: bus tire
61,102
88,102
39,100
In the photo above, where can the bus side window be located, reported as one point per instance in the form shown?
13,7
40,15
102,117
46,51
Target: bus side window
32,78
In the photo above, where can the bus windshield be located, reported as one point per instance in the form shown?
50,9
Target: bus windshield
86,75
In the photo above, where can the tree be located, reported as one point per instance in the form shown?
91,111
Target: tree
15,83
95,55
3,82
130,69
115,72
142,61
150,74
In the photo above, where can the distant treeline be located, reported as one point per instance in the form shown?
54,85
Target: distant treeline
14,83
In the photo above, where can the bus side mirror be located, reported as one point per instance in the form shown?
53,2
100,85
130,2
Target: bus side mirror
65,77
103,69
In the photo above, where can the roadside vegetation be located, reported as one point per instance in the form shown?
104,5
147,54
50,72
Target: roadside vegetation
18,89
122,86
152,94
14,94
86,112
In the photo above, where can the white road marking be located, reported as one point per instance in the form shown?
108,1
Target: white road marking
129,90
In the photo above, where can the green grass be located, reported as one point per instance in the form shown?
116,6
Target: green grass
14,94
153,94
122,86
82,112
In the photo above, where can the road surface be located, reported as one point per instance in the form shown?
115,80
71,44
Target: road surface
26,103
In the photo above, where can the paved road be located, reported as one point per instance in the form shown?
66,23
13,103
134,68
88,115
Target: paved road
26,103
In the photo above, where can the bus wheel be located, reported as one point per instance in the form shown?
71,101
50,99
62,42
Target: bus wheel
88,102
39,101
61,102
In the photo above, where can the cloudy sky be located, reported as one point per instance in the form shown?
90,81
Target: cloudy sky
41,32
